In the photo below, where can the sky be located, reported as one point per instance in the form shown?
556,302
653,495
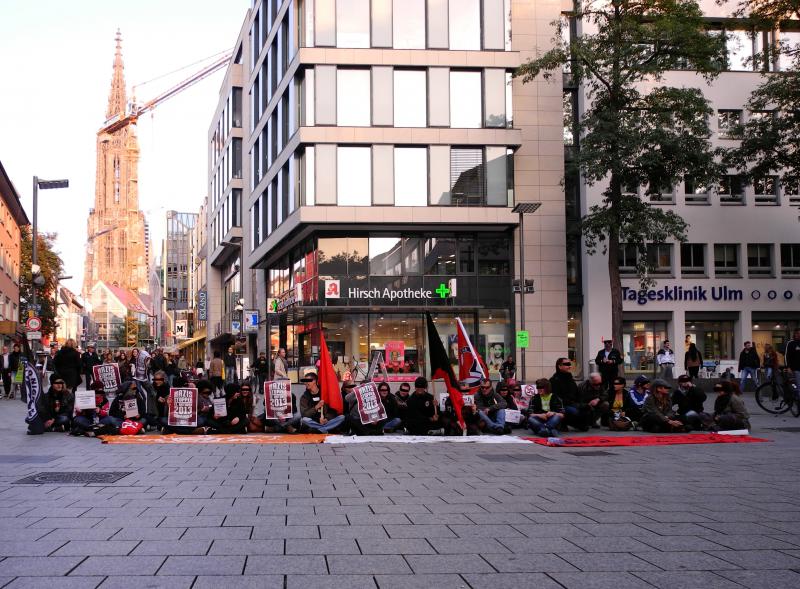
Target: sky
56,59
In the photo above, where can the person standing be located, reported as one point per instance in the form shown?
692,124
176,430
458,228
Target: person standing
261,366
229,359
666,361
6,371
508,369
68,365
791,354
770,361
693,360
281,367
13,366
215,370
607,361
89,360
748,364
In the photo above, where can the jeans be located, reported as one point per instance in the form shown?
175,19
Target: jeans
280,426
751,372
499,421
61,421
230,374
331,424
392,424
83,424
545,428
768,373
665,371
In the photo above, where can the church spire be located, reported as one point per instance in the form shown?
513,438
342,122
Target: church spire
117,99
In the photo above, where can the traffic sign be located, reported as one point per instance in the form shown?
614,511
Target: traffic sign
33,324
34,335
523,339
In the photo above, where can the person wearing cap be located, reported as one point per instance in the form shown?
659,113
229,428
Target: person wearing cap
91,422
491,407
423,415
608,361
729,410
657,413
58,407
638,394
564,387
689,400
591,406
89,360
315,413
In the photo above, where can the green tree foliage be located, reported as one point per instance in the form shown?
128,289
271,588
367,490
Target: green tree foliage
634,132
52,267
770,137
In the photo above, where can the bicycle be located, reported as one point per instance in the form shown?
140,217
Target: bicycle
779,395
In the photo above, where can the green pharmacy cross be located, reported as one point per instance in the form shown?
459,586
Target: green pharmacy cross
442,291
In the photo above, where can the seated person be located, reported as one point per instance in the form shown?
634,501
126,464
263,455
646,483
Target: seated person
347,387
449,419
729,410
546,410
286,425
58,407
491,407
562,385
161,389
689,400
235,422
392,421
92,422
504,390
619,405
315,414
422,414
354,415
638,394
657,415
205,406
127,391
591,406
402,399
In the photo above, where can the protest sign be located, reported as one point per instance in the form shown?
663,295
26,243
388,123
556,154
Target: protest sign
443,400
182,407
131,407
278,399
513,416
84,400
469,400
523,398
109,375
370,406
220,407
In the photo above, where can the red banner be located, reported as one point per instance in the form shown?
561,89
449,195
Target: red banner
370,406
278,399
182,407
109,375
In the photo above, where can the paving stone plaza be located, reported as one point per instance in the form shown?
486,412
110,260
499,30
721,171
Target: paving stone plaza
387,516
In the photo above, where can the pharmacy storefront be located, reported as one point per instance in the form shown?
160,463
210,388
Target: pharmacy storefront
369,294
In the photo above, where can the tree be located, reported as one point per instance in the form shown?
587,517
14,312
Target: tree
52,267
769,139
634,131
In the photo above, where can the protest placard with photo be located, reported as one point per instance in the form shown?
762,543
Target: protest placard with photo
513,416
524,396
109,375
131,407
84,400
370,406
469,400
220,407
278,399
182,407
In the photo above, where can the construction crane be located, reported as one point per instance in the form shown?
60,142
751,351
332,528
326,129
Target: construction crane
120,121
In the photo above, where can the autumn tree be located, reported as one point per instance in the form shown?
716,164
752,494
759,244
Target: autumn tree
51,268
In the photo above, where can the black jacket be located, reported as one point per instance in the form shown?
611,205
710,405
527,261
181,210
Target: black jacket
586,393
57,404
262,366
68,366
565,388
491,402
556,406
613,356
792,355
89,360
308,403
13,361
391,406
421,406
162,392
691,399
749,359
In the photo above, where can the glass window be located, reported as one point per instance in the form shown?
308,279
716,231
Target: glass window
325,191
440,256
307,180
439,96
383,175
730,189
694,193
437,24
410,98
628,256
352,23
342,256
714,339
381,23
411,176
465,100
497,177
693,259
788,39
739,45
324,23
353,98
791,190
494,258
659,258
494,97
759,259
494,24
408,24
766,190
465,24
640,342
353,176
466,255
385,256
467,177
790,259
412,247
324,89
382,96
726,259
728,122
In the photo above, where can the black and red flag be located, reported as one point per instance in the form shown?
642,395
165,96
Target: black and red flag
442,369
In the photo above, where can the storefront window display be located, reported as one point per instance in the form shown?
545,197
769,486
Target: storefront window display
574,342
641,341
773,329
714,339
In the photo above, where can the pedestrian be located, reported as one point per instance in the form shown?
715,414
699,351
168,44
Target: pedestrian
791,355
89,360
422,417
608,361
591,405
491,407
229,359
6,371
665,358
770,361
13,368
68,365
91,422
693,360
619,402
638,394
729,410
690,399
316,414
216,369
261,366
749,363
281,367
58,407
508,369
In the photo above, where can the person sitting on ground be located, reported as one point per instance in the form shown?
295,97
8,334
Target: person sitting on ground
403,392
58,407
205,407
353,415
591,406
92,422
504,390
423,415
315,413
128,391
689,400
491,407
546,410
286,425
235,422
392,421
563,386
161,389
347,388
638,394
619,404
657,415
449,420
730,412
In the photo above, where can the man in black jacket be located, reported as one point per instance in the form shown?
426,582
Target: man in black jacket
422,414
689,400
749,363
491,407
591,405
565,388
89,360
607,361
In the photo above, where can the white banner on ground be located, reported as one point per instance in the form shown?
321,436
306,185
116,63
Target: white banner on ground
425,440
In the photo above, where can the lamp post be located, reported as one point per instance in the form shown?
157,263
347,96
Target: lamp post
523,208
38,280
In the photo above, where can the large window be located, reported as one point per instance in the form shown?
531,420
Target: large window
765,190
728,122
790,259
408,24
465,100
739,46
353,176
726,259
759,259
465,24
411,176
731,190
352,23
659,258
385,256
628,256
410,98
353,98
694,192
440,256
693,259
467,177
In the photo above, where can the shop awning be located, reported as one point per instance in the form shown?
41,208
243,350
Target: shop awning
189,342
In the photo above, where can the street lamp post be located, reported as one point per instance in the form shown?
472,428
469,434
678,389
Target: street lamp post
523,208
35,269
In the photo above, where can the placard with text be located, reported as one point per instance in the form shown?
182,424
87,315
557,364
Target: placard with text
370,406
182,407
278,399
109,375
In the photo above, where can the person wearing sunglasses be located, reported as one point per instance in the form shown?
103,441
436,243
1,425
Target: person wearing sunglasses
564,387
491,407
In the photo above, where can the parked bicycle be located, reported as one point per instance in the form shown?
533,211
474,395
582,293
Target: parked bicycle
779,394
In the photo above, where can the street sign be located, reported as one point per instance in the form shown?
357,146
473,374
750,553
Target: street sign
202,305
34,335
251,321
523,339
33,324
181,329
272,306
236,326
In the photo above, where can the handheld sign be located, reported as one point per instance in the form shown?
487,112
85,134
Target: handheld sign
513,416
370,406
109,375
182,407
523,398
84,400
131,407
220,407
469,400
278,399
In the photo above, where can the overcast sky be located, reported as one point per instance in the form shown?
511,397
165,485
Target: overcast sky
56,60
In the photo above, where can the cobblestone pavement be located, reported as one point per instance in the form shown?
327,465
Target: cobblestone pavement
383,516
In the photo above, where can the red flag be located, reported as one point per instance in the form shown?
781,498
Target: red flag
328,383
441,369
470,367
